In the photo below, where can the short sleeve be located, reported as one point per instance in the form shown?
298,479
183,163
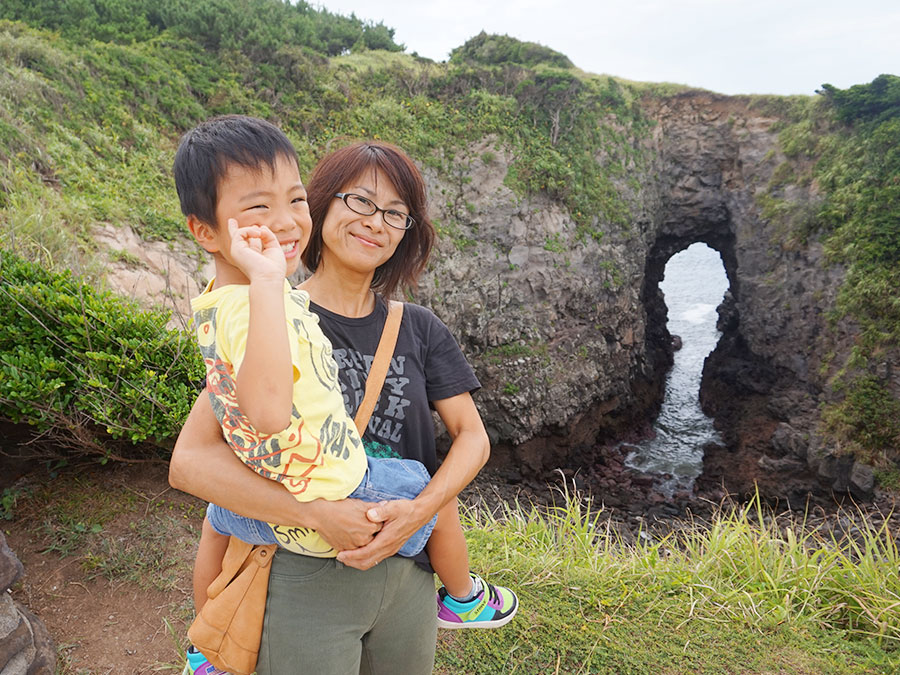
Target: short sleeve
447,373
232,324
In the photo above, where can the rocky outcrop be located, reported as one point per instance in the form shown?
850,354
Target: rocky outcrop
553,322
570,352
25,645
565,324
765,381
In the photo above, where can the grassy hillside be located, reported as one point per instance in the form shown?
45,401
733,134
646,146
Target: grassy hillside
94,95
90,117
88,127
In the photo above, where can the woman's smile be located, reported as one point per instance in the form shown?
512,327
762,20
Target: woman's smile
367,241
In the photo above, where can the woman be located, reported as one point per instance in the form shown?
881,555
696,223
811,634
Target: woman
322,615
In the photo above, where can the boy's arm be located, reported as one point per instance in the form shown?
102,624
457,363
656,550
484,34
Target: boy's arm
265,381
203,465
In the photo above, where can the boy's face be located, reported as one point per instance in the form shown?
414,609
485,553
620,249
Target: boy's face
276,199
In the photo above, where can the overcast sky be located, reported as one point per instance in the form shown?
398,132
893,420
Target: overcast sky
728,46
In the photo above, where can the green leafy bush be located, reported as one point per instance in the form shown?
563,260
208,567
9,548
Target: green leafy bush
867,420
76,361
878,100
499,49
254,27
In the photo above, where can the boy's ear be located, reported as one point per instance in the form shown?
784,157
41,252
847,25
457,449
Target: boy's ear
203,233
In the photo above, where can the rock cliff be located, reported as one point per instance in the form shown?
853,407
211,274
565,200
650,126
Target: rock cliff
567,332
570,341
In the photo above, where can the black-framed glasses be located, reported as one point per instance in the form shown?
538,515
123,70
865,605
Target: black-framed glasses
366,207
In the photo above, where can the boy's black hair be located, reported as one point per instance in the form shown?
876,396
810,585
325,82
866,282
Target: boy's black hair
206,151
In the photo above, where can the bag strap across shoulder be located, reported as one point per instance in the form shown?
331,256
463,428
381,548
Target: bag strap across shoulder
380,365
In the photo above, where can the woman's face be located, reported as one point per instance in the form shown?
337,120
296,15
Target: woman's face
362,243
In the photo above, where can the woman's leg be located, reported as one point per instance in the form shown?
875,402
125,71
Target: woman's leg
325,618
449,553
402,640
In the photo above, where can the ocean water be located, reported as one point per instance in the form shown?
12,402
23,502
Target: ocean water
693,285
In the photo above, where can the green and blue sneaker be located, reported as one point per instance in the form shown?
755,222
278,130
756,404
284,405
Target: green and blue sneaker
491,607
197,664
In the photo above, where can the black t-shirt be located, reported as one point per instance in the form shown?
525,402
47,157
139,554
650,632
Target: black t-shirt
427,365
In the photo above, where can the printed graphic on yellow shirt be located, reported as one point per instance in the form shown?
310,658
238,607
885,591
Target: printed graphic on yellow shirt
319,455
280,458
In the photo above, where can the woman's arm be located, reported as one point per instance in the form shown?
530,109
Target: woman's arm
203,465
469,450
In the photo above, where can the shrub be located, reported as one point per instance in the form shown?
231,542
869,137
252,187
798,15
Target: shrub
498,49
77,362
253,27
867,420
878,100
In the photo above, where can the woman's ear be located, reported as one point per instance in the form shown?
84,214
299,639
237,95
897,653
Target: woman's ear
203,233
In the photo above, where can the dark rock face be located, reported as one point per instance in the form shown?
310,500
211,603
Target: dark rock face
565,323
553,323
25,645
570,342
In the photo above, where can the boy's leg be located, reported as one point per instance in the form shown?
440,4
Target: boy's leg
480,604
466,600
449,553
208,564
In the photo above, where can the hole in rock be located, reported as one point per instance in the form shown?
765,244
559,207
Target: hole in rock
693,286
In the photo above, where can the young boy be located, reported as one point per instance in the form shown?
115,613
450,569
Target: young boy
270,374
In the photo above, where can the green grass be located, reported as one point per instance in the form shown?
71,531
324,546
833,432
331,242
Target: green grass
741,592
729,597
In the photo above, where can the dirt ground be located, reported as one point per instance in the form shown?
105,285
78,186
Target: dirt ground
108,553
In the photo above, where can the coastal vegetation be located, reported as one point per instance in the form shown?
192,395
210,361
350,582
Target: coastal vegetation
94,98
848,142
78,362
94,95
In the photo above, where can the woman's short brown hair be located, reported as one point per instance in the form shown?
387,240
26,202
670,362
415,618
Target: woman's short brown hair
341,167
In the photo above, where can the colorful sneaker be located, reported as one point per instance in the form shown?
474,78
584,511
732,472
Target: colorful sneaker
197,664
493,607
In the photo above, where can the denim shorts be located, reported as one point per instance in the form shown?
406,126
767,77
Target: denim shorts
386,478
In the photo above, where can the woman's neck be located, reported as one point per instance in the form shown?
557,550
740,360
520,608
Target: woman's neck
346,295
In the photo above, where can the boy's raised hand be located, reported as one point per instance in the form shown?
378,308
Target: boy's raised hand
256,252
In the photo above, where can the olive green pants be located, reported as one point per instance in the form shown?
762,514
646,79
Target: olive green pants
325,618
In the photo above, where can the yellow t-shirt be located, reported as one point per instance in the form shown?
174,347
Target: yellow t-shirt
320,454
